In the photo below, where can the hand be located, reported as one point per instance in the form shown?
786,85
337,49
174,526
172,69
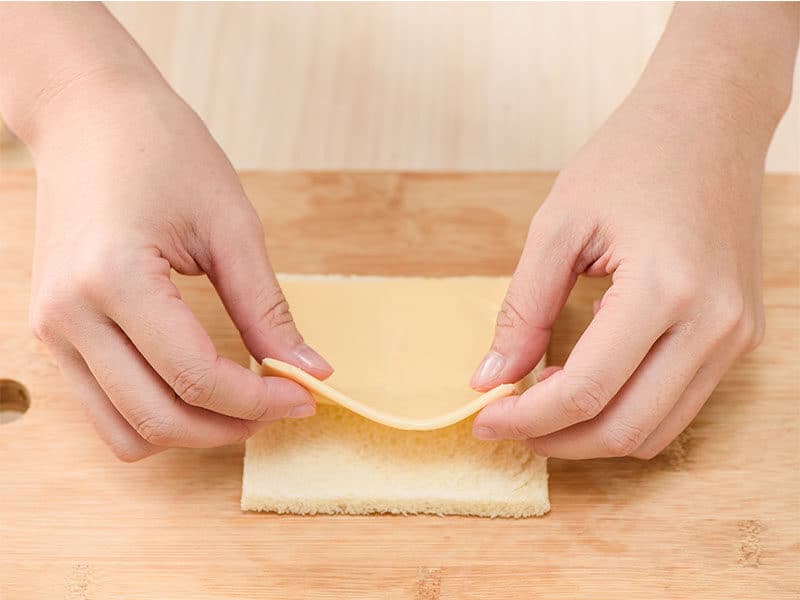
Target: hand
666,200
130,186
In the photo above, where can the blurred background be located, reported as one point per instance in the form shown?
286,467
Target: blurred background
404,86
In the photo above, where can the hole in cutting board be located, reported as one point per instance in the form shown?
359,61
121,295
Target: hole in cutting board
14,400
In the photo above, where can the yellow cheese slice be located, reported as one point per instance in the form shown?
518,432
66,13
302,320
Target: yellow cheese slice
403,348
401,417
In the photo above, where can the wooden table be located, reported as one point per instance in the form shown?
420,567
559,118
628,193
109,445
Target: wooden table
716,517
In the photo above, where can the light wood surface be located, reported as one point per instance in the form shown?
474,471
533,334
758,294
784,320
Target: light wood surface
431,86
716,517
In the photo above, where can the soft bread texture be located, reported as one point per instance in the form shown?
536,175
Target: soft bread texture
338,462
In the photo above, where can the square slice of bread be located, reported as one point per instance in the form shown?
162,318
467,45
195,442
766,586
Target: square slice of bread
340,462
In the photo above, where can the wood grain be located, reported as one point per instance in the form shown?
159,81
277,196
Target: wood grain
431,86
717,517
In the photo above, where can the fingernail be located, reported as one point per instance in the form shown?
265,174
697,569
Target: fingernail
309,359
489,369
301,411
484,433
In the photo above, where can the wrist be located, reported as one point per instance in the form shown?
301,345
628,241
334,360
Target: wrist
720,88
58,56
85,100
708,103
726,65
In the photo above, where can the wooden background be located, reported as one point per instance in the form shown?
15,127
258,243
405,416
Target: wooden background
424,86
716,517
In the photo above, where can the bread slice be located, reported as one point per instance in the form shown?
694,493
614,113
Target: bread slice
406,346
338,462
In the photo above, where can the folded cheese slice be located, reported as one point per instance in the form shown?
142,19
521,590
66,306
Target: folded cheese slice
404,348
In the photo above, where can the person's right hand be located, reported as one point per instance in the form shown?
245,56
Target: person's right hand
130,186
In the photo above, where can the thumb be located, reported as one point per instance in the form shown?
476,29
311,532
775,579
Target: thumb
242,275
544,276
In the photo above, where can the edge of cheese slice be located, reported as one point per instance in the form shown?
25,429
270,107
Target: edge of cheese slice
324,392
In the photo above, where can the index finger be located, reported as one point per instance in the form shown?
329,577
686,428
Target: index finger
174,343
606,355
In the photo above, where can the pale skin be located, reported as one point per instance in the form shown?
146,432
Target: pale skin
665,198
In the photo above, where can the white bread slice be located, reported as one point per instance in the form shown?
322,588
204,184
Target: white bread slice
340,462
404,346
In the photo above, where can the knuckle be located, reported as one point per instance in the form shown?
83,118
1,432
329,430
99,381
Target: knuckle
276,311
730,313
84,282
243,218
195,384
732,322
746,333
512,424
99,273
265,410
116,388
262,410
520,430
512,313
93,274
680,289
41,323
584,399
621,439
48,313
156,429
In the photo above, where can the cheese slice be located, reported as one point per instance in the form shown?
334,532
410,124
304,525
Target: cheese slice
403,348
398,418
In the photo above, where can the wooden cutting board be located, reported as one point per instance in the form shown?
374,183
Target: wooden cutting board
716,517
